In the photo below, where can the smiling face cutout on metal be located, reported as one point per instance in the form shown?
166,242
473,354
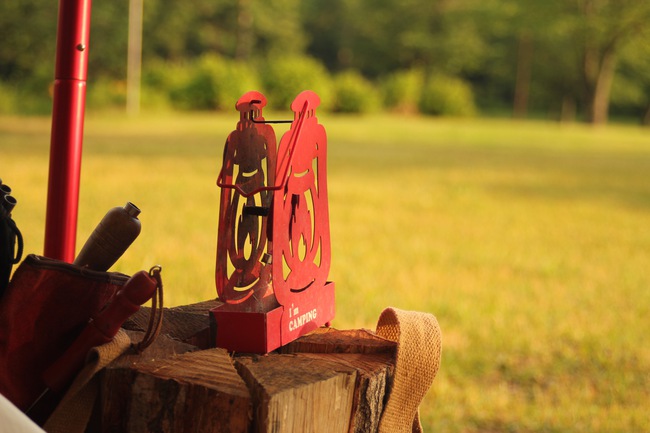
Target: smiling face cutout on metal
301,248
242,271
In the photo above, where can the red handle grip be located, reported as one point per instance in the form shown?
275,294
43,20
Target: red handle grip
137,290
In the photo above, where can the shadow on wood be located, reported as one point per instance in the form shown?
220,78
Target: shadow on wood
327,381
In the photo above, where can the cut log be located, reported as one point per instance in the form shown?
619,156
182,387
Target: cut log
373,374
327,381
330,340
368,355
187,323
116,381
371,356
193,392
294,393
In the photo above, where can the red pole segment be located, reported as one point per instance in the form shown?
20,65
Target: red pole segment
66,139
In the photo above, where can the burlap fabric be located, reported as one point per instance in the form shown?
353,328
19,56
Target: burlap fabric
419,345
74,410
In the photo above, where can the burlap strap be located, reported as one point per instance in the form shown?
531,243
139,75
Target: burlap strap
419,347
73,413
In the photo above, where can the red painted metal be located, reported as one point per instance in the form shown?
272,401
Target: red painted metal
249,160
66,141
282,171
301,236
273,250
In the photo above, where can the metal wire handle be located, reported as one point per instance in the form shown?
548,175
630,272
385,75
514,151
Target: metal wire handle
156,315
285,175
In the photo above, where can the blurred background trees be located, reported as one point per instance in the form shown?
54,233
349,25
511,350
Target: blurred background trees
563,59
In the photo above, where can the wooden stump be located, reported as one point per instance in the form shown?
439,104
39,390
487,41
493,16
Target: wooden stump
294,393
327,381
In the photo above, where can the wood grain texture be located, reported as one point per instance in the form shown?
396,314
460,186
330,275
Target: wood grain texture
193,392
331,340
186,323
373,376
327,381
293,393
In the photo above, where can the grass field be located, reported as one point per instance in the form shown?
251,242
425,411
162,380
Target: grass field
529,241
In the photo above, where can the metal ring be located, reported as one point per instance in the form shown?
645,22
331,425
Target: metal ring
155,270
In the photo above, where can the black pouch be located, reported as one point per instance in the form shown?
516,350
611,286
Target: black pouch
11,240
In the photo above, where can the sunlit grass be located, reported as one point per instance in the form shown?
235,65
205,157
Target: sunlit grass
529,242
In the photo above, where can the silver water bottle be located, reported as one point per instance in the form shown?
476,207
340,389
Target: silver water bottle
111,238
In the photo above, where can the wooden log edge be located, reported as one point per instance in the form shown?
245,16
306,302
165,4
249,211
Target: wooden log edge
338,380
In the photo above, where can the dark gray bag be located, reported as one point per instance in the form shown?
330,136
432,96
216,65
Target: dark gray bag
11,240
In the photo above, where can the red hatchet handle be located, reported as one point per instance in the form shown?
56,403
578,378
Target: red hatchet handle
100,330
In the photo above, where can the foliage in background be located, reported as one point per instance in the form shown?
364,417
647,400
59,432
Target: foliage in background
8,99
211,83
447,96
355,94
631,90
401,90
559,59
106,93
285,77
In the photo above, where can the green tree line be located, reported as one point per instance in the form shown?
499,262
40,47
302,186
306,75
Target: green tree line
565,59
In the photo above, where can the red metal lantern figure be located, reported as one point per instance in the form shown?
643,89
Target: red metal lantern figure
301,237
280,235
248,167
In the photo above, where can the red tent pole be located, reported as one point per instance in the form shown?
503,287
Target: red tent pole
66,139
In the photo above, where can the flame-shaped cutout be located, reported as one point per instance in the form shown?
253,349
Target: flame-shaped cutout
249,164
302,247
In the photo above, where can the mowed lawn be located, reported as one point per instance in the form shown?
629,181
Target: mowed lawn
529,241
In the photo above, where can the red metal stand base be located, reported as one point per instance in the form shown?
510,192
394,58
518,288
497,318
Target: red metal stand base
249,329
